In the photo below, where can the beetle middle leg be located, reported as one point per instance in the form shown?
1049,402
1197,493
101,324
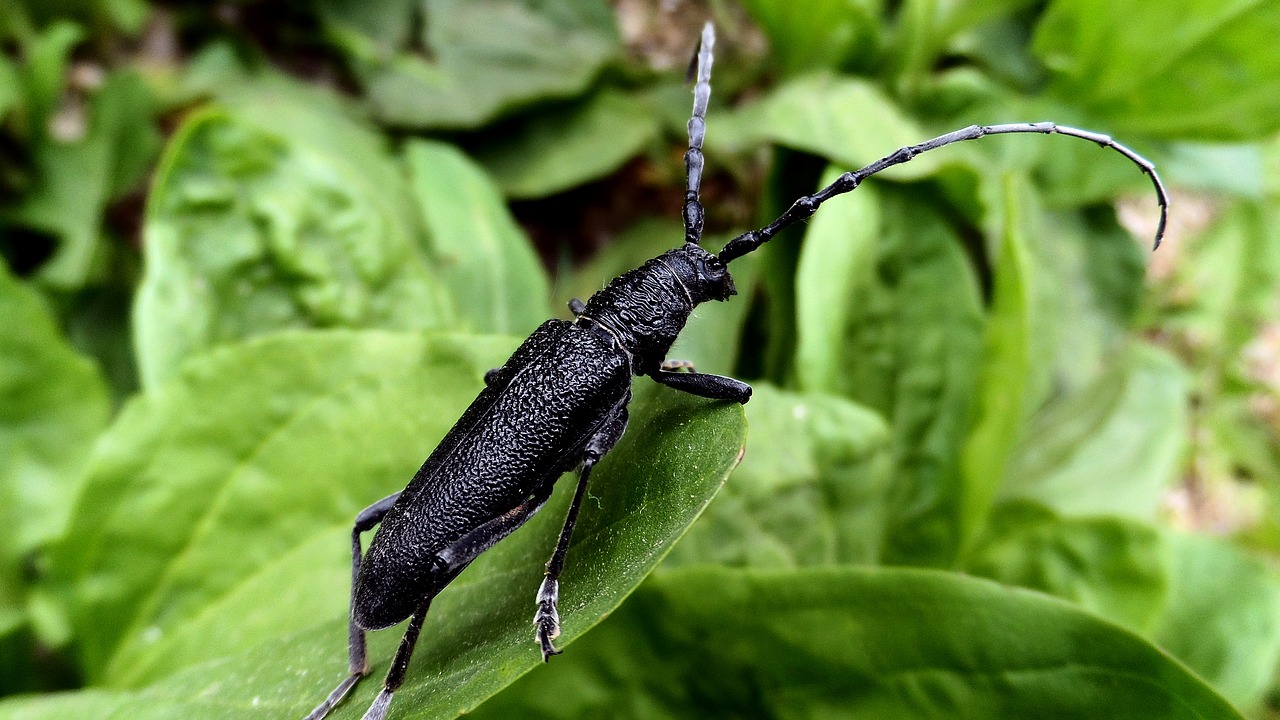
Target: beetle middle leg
547,619
358,662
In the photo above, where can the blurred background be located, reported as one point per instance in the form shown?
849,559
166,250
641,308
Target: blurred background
972,367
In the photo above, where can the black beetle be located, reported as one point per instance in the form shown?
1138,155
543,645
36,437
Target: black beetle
560,400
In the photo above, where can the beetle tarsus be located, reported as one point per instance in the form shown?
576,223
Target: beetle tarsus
547,619
378,710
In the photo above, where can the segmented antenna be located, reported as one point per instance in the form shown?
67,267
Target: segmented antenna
807,205
693,213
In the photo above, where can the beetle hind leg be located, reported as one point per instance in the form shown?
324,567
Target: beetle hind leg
358,662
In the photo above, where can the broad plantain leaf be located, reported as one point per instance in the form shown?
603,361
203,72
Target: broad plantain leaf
483,257
837,260
911,353
552,152
1190,68
812,35
277,212
846,120
1222,617
811,490
473,59
856,643
1110,448
53,404
1115,567
312,428
1006,384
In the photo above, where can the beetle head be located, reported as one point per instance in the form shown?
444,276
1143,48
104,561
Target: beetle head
703,274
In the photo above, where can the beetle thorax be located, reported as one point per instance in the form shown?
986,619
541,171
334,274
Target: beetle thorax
646,308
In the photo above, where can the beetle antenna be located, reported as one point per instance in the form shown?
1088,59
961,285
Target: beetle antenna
693,213
807,205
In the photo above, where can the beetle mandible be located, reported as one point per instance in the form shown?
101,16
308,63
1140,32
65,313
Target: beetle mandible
560,400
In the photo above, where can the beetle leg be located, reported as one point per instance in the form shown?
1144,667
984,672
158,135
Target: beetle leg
399,666
716,387
491,375
547,619
358,661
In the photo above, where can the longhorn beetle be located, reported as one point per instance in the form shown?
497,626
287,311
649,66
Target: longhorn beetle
560,400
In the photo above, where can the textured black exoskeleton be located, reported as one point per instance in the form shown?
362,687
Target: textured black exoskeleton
560,401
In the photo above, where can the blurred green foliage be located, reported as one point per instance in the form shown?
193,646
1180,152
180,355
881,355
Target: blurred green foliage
1000,462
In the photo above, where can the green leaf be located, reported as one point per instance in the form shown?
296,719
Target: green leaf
846,120
1090,277
53,404
816,35
45,72
551,152
837,260
279,212
234,461
1197,68
911,353
1110,448
217,518
811,490
74,181
477,59
497,281
1111,566
1222,617
1006,383
856,643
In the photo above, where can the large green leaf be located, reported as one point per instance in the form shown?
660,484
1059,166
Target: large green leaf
552,152
846,120
217,511
474,59
910,351
53,404
497,281
811,490
856,643
1112,566
813,35
278,212
1110,448
837,260
235,461
1222,617
1006,382
1200,68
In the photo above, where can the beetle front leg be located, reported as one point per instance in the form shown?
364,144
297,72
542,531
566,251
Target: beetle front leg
716,387
547,619
358,662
